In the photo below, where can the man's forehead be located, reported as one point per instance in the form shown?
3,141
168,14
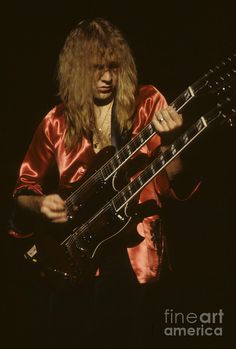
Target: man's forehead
104,63
104,57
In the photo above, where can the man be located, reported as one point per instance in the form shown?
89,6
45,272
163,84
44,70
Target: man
98,88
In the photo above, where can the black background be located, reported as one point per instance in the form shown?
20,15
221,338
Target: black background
174,43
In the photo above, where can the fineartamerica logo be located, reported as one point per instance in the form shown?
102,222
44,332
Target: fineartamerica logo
192,324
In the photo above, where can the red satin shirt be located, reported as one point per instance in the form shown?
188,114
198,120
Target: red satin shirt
48,144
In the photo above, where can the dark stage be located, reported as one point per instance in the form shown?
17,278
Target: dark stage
174,44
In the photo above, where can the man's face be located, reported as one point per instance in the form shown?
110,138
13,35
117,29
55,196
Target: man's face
105,81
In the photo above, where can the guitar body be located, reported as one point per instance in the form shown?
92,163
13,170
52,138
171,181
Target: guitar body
86,196
58,258
100,205
90,193
75,260
55,262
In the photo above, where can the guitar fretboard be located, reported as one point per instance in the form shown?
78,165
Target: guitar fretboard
134,187
208,82
142,138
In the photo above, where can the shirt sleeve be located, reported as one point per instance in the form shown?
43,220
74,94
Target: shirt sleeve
36,161
31,176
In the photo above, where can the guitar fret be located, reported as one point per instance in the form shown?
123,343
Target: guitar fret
187,94
113,166
134,187
181,100
125,198
157,165
162,159
205,82
87,232
116,162
129,190
109,168
131,147
173,149
105,172
139,140
141,180
199,125
185,138
129,151
123,154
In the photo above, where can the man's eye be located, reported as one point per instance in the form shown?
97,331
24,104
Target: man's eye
98,67
113,66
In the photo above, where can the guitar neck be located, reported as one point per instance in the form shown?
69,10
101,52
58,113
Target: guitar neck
157,165
206,82
120,201
123,155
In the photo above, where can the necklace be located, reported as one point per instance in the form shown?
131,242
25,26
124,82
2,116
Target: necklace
105,120
102,134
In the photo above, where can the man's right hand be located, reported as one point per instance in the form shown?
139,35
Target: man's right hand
50,206
53,207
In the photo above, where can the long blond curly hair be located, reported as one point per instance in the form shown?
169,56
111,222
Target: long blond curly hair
94,40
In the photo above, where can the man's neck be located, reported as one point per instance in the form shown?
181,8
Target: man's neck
103,110
103,102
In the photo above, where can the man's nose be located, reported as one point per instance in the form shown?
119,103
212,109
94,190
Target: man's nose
106,76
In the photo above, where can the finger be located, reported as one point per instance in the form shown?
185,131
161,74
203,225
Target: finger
53,214
175,116
161,123
56,207
170,119
54,203
167,122
56,198
53,207
158,121
60,220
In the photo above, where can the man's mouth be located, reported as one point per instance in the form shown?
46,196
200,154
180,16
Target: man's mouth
105,89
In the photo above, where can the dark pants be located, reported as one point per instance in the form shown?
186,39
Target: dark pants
112,312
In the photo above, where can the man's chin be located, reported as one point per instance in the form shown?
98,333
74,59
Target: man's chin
103,98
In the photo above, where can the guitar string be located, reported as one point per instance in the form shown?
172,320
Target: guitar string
118,155
154,166
156,163
194,85
179,101
84,226
112,161
72,198
79,231
119,197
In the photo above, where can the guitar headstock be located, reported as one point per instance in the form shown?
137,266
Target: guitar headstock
224,111
229,117
217,78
